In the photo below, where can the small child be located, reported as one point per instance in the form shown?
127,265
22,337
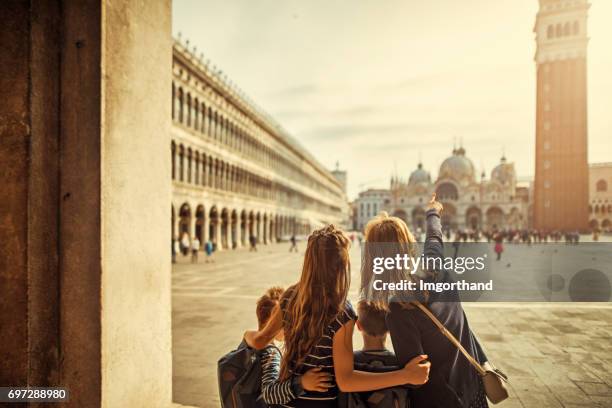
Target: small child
374,357
371,324
274,391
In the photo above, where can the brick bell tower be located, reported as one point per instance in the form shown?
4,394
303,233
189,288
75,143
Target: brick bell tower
561,173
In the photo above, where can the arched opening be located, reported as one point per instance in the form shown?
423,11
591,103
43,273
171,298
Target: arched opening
243,227
196,114
265,228
188,109
234,229
173,101
180,105
449,216
196,170
605,224
550,32
199,226
251,224
576,28
173,150
418,219
567,29
272,229
173,235
258,227
473,218
181,163
184,224
447,191
495,218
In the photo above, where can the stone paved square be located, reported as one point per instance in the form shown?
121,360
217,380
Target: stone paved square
556,354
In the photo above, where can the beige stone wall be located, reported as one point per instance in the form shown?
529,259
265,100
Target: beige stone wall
85,265
136,306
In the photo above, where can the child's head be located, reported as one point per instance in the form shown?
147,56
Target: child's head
371,320
266,303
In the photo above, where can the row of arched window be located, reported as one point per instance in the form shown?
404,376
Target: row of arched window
600,209
562,30
193,113
191,166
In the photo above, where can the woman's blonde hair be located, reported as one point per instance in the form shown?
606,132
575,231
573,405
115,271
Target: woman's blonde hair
385,236
315,301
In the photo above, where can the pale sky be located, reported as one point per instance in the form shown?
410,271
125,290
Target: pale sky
374,84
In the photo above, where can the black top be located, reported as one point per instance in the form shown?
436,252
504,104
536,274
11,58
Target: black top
321,355
453,382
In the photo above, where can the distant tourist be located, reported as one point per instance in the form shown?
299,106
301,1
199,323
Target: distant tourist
195,248
209,249
253,243
499,244
293,244
185,244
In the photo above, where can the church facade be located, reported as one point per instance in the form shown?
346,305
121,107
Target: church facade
470,202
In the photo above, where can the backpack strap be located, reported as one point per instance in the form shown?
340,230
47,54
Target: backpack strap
451,338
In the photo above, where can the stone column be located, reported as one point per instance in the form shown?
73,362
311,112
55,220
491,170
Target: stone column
238,236
218,235
85,294
258,223
206,226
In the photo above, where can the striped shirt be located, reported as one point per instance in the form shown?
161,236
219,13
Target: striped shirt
273,391
321,354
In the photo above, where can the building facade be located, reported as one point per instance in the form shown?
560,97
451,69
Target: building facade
561,173
600,196
470,204
236,173
367,205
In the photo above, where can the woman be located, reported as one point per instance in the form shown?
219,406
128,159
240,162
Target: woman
318,322
453,382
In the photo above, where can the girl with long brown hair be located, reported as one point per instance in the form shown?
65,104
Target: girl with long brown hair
453,382
318,322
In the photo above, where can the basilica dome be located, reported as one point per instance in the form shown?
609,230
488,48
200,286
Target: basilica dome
419,176
504,173
458,167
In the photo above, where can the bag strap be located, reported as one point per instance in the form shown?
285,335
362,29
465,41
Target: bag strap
451,338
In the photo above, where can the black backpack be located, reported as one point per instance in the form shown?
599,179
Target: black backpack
239,374
394,397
